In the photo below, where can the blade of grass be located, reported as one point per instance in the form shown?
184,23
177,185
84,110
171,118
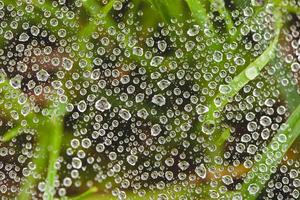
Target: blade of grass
241,3
12,133
220,142
292,9
94,10
85,195
236,84
288,92
199,13
248,74
206,26
273,155
160,7
55,139
223,12
167,9
11,95
85,34
39,161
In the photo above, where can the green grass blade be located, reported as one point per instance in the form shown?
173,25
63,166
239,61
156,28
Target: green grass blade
40,162
86,194
223,12
292,9
168,9
94,10
85,34
248,74
273,155
55,137
199,13
12,133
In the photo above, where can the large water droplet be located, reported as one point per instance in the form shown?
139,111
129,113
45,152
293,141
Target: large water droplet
251,72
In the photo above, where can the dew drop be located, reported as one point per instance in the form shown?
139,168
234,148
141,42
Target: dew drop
251,72
218,56
102,104
156,61
124,114
132,159
201,171
194,30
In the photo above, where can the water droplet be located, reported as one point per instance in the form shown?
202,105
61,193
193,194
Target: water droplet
132,159
201,171
67,63
252,149
76,163
208,127
194,30
155,130
183,165
124,114
81,106
225,89
163,84
251,72
102,104
201,109
253,188
162,45
265,121
159,100
156,61
137,51
218,56
16,81
227,179
23,37
42,75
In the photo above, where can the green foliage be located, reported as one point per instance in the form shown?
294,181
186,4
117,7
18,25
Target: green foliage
50,145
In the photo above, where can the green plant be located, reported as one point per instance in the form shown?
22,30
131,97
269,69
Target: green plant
157,81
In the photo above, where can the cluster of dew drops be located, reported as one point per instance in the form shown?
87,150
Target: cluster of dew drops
135,97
